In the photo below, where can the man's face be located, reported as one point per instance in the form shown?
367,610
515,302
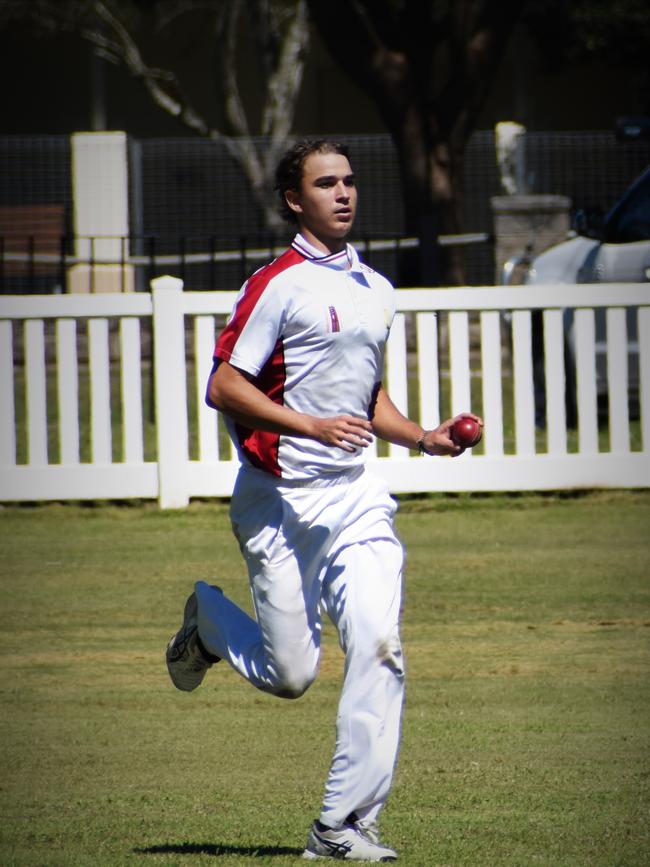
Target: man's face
326,203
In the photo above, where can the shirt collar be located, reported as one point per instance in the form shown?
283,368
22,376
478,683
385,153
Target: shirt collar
346,259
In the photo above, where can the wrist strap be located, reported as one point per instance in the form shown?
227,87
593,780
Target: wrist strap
420,443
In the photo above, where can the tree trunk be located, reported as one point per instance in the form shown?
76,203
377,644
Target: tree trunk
431,170
428,65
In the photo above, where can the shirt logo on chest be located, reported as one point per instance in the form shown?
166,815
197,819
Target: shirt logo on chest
334,320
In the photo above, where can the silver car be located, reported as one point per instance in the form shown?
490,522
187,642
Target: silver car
616,251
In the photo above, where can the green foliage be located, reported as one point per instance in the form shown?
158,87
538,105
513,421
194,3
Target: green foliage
614,32
526,730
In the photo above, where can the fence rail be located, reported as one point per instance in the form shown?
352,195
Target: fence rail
47,263
101,396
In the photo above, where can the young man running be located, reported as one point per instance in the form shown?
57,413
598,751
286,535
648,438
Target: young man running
297,375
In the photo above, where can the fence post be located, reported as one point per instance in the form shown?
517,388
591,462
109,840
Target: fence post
170,391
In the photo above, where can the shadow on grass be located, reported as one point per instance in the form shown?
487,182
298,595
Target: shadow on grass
217,849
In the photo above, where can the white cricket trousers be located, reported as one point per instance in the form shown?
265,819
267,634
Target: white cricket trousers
327,544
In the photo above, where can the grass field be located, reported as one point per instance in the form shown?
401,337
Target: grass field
526,730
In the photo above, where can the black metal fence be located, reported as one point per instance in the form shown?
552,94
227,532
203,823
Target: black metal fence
192,213
202,263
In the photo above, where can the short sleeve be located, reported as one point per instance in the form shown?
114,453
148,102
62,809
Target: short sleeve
255,326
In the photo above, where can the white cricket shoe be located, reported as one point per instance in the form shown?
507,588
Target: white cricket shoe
370,830
344,844
187,660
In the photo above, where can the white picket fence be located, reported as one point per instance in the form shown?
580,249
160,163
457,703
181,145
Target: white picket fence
41,336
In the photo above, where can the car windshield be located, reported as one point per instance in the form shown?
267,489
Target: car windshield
629,219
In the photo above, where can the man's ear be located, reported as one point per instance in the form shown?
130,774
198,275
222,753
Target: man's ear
292,198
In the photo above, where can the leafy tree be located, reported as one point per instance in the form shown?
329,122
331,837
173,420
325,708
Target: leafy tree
615,32
281,36
428,65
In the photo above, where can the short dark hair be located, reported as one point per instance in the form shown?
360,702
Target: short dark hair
288,174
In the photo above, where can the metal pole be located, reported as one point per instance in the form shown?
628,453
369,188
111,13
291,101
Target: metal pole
183,244
62,245
213,242
151,244
31,272
243,260
122,263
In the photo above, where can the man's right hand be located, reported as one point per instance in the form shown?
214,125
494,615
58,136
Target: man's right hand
346,432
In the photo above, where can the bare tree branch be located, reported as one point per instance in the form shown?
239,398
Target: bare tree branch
284,85
234,107
160,84
167,11
282,33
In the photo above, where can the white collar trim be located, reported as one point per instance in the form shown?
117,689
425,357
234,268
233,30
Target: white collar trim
344,259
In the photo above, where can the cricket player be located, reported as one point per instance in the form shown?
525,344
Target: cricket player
297,374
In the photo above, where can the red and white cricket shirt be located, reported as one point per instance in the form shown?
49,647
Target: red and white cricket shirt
311,330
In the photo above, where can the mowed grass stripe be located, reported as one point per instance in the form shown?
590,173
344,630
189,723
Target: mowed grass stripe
526,727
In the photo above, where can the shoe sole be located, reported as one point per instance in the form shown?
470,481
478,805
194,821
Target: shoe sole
190,610
179,683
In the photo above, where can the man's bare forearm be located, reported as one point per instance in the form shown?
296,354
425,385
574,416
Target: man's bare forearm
232,393
389,424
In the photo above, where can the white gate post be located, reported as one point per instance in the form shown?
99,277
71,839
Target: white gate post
170,390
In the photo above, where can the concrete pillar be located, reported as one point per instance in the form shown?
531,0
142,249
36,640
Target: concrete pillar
101,213
527,223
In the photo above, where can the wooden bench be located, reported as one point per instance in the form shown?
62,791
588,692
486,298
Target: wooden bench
31,231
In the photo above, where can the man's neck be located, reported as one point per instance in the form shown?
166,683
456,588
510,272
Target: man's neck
327,246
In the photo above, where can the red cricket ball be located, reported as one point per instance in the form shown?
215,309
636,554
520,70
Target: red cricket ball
466,432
